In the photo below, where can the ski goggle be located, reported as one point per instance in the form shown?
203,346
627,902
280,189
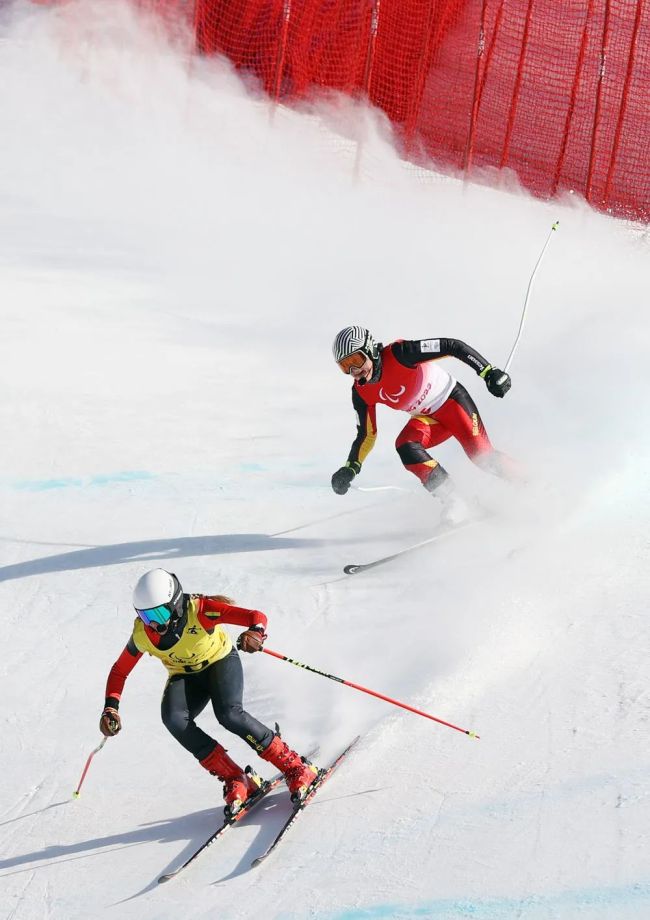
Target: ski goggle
356,359
155,616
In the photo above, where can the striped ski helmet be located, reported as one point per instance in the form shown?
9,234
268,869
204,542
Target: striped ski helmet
354,338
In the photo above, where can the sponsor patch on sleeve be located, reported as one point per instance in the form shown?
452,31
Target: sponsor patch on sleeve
431,345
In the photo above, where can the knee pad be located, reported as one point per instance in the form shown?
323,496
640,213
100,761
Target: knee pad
411,453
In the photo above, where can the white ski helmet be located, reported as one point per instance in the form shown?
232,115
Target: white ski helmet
354,338
158,597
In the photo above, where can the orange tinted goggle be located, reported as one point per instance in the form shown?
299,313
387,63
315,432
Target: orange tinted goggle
356,359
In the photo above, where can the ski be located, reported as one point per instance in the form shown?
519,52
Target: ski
321,778
443,531
267,786
250,803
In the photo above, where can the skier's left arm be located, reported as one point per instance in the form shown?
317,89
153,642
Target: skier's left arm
214,611
413,352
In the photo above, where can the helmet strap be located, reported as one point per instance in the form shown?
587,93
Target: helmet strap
376,365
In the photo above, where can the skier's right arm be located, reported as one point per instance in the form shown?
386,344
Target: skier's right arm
110,722
361,446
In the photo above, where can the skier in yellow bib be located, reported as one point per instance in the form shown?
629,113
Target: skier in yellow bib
184,632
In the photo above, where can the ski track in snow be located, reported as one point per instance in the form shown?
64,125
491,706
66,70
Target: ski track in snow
174,268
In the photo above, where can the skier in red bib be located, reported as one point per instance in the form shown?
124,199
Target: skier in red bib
405,375
184,631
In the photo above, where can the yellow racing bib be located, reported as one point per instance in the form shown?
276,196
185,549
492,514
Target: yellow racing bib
196,648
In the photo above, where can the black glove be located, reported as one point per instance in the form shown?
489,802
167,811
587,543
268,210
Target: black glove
110,723
497,382
342,478
252,640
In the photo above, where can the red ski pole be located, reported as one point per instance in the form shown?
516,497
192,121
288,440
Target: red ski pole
75,794
348,683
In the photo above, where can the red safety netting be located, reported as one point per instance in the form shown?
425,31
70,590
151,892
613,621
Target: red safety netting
557,91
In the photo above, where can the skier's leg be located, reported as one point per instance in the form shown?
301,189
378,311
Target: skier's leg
184,697
226,682
461,418
422,432
226,690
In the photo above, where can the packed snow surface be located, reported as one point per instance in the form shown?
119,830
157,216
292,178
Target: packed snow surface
176,260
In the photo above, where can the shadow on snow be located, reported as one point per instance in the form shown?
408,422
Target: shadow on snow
154,550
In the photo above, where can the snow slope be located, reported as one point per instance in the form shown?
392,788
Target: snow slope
175,264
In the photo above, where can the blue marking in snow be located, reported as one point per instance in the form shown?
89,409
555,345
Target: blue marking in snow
46,485
125,476
503,908
252,467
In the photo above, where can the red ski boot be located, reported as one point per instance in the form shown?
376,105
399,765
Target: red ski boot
238,784
298,772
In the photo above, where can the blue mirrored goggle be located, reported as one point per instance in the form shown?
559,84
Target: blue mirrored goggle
158,615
